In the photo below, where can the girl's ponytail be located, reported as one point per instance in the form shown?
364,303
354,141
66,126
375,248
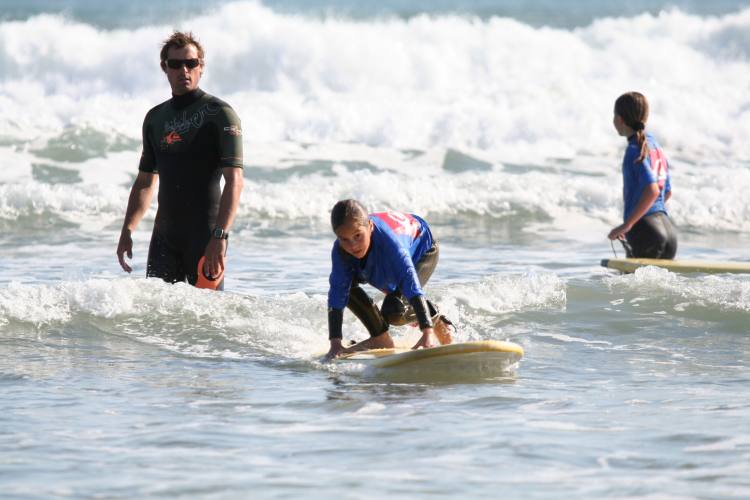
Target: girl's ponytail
632,107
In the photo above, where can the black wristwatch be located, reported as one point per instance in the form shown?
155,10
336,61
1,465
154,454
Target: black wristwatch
220,234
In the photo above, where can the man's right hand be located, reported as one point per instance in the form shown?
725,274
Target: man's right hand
125,246
138,202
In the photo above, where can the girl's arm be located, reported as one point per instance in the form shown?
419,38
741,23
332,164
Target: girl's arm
339,282
649,196
419,303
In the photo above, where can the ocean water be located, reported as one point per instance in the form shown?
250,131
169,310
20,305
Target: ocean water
492,119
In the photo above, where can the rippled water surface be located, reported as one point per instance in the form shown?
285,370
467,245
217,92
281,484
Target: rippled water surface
632,386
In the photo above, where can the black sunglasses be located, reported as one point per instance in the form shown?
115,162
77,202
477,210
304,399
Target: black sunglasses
179,63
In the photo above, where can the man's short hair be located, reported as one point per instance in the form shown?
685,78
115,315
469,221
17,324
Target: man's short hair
178,40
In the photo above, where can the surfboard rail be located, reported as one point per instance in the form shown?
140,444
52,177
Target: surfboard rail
388,358
629,265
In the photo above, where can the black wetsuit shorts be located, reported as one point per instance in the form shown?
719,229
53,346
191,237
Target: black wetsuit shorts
652,237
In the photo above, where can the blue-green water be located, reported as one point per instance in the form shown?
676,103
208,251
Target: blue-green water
568,14
495,125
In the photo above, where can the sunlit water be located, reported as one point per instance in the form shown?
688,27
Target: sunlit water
492,126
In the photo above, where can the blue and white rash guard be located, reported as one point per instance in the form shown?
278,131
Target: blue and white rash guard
398,241
636,176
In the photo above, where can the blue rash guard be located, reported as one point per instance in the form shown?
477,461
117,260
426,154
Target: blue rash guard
636,176
398,241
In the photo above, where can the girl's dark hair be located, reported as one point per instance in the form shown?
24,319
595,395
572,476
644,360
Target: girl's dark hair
348,211
632,107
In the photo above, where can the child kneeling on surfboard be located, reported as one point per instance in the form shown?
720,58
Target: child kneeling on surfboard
396,253
647,230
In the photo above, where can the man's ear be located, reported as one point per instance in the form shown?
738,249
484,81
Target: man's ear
163,65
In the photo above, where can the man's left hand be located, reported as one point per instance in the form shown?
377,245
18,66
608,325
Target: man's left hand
215,251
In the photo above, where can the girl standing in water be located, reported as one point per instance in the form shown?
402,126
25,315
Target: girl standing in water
647,230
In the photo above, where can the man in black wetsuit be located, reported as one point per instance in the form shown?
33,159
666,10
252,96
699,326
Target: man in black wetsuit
189,143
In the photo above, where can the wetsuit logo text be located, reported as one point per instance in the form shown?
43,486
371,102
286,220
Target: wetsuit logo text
181,125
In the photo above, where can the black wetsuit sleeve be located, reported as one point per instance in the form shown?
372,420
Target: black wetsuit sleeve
335,323
420,309
148,158
230,139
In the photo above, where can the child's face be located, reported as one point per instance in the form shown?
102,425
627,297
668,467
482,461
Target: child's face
620,126
354,238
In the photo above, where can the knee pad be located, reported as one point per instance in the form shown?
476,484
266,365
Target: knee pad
398,312
395,310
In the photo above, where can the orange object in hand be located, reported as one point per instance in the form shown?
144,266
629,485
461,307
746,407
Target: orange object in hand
204,281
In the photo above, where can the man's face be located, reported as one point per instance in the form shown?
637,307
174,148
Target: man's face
183,79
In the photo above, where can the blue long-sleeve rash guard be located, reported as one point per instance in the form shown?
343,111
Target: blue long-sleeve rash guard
398,241
637,176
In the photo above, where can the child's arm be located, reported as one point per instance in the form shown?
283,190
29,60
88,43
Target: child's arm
425,322
335,321
339,282
649,196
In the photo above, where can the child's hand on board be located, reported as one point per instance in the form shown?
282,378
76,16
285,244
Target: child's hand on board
426,341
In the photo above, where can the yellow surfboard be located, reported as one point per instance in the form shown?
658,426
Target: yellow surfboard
464,360
678,266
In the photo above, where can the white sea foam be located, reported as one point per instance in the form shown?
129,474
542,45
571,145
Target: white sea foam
401,95
495,85
501,294
227,325
77,203
568,338
476,307
185,320
566,200
722,445
722,293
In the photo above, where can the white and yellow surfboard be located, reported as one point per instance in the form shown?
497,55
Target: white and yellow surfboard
678,266
464,360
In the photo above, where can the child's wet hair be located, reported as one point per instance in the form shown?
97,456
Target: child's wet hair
632,107
345,211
